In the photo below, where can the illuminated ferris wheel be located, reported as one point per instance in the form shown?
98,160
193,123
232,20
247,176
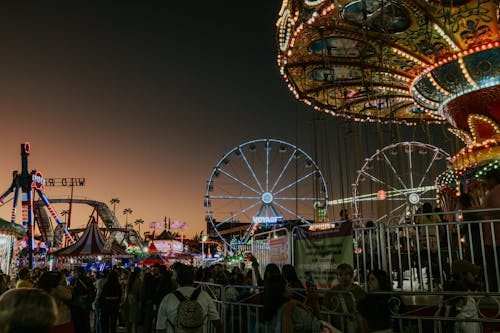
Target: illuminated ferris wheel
397,180
263,183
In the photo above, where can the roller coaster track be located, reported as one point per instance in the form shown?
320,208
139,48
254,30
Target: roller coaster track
116,231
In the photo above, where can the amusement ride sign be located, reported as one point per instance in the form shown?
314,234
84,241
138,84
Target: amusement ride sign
267,219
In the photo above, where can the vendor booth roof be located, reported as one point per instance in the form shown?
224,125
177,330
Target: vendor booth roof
153,259
165,235
90,244
9,228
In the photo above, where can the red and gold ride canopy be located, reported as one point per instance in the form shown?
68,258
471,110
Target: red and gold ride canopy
402,61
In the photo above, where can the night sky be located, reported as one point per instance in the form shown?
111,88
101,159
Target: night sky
143,98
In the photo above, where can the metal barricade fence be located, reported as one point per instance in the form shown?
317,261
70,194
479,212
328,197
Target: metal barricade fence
241,310
421,255
441,312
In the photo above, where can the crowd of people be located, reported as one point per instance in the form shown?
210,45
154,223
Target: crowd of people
165,299
86,301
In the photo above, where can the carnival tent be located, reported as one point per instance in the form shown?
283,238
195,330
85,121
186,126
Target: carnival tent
91,244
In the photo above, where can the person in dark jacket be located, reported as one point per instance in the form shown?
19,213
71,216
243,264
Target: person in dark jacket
109,303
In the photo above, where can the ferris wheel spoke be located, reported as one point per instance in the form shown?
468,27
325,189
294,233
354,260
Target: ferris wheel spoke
296,182
283,171
396,199
428,168
410,164
398,195
294,199
375,179
238,181
233,197
426,189
251,170
230,218
393,170
274,211
392,212
267,165
292,213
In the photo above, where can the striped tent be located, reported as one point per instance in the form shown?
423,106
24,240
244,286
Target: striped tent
91,244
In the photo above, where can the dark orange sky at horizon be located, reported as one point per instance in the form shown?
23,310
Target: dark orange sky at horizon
142,99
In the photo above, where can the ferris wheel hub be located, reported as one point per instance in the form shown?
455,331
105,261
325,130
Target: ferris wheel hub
414,198
267,198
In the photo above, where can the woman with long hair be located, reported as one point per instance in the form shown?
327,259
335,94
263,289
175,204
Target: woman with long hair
378,280
132,301
282,312
147,301
55,284
290,275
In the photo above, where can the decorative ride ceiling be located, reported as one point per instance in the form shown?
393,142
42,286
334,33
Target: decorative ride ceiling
400,61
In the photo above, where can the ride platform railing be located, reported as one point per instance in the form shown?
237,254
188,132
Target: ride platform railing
420,256
241,309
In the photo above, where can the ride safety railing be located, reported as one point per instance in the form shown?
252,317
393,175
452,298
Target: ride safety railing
419,254
241,309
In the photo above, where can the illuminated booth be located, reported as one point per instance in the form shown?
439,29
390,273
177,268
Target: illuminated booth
166,243
9,233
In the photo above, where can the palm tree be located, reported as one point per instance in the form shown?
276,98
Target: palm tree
114,202
138,222
126,212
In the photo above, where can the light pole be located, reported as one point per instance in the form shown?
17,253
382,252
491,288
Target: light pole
203,239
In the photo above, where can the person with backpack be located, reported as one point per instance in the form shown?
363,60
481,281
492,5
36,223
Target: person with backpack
187,309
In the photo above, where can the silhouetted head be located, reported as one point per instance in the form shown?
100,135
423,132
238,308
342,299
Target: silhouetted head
427,208
27,310
378,280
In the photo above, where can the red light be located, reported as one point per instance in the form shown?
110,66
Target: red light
381,194
27,147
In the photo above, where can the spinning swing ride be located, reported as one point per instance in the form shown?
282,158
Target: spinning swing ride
405,62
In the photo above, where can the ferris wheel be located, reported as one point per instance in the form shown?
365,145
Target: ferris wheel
263,183
397,180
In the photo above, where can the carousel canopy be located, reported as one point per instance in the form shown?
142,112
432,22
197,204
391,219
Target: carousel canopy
9,228
89,245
